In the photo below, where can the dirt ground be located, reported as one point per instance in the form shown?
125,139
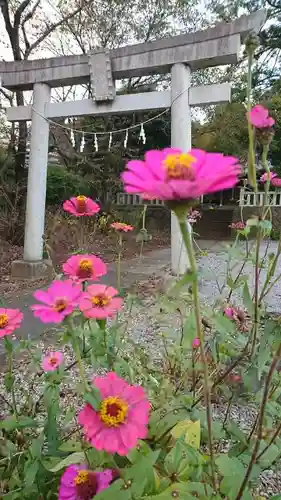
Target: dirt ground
63,243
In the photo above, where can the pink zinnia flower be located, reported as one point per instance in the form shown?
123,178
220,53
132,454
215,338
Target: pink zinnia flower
121,226
121,419
52,361
84,267
10,320
193,216
81,205
58,300
276,182
171,174
80,483
229,312
267,176
259,118
196,343
238,225
100,301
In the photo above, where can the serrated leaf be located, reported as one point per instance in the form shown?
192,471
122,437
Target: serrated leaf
190,430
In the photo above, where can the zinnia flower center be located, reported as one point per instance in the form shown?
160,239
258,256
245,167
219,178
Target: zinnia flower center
53,361
113,411
85,269
86,484
180,166
81,203
60,305
4,320
101,300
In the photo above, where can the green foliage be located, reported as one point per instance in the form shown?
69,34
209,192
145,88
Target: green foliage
62,185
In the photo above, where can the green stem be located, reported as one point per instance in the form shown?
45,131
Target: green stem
256,295
187,239
76,349
260,420
143,227
119,254
251,153
9,349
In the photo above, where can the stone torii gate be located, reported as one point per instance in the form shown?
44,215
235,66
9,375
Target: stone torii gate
179,55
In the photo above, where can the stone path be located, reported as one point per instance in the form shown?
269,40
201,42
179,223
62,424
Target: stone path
132,271
213,268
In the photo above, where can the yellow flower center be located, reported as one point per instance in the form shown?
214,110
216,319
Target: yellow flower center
4,320
113,411
85,269
81,203
180,166
101,300
82,477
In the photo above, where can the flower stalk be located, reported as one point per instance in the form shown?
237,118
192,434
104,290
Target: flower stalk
187,239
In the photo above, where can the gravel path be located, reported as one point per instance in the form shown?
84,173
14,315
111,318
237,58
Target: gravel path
213,274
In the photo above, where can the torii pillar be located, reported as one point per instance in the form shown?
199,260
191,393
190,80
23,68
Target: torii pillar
180,138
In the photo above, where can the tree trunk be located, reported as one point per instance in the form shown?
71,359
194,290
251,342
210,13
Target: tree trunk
20,171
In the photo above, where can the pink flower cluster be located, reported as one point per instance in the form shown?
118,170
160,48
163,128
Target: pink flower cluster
240,225
272,178
258,117
62,297
172,174
121,227
193,216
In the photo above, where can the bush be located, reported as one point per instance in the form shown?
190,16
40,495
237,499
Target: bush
62,184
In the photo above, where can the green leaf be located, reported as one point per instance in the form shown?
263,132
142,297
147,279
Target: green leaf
143,235
93,397
248,299
229,466
75,458
223,324
236,432
12,423
269,456
9,381
36,446
71,445
190,430
30,471
177,490
266,226
117,490
141,450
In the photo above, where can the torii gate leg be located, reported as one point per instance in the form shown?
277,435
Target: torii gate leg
33,265
180,138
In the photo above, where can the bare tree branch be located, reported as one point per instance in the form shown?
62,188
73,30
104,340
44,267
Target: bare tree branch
53,27
19,12
6,16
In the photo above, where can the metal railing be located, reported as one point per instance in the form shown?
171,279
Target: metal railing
250,199
134,199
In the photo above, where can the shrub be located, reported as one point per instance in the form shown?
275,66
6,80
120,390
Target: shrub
62,184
